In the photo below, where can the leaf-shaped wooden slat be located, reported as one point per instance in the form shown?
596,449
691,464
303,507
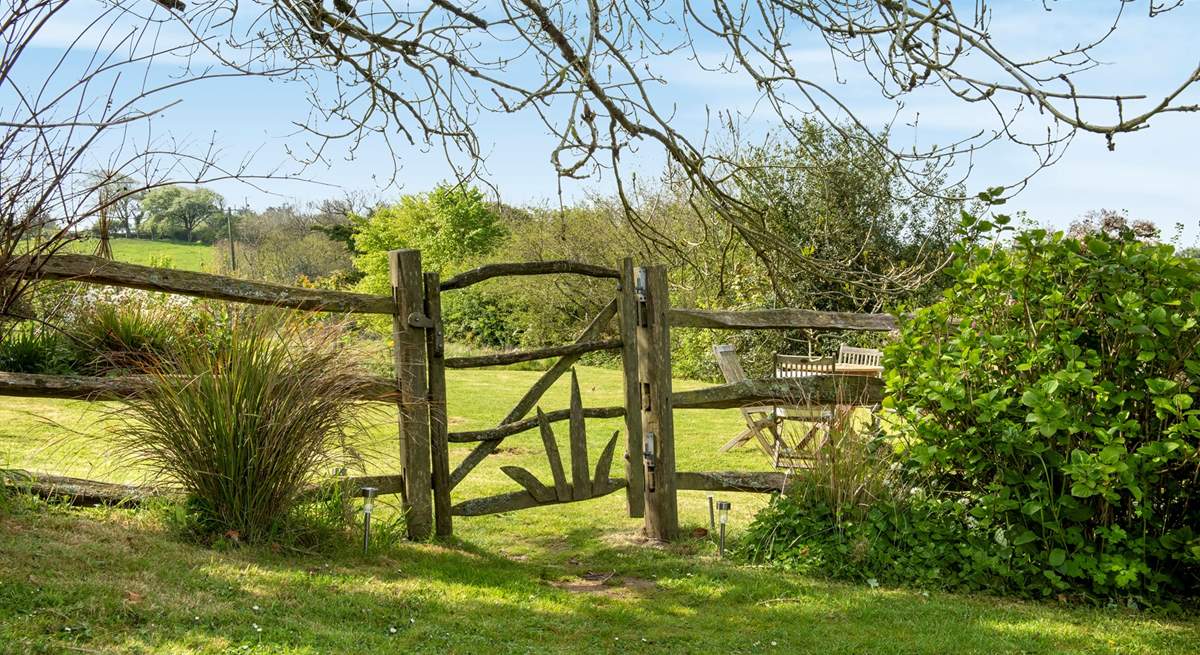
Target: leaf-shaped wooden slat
561,490
581,483
600,482
528,482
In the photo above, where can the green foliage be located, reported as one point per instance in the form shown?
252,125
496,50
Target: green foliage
832,211
449,226
481,317
175,212
122,337
1047,409
31,348
1056,384
244,425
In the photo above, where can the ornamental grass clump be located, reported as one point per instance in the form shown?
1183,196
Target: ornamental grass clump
246,426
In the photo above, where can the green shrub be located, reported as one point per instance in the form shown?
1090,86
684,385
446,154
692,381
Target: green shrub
30,348
122,337
244,427
1046,406
1055,384
478,317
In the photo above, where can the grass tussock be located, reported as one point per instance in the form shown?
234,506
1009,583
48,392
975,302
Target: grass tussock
246,422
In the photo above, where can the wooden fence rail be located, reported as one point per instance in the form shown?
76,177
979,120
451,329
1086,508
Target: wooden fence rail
517,427
97,270
86,493
490,271
82,387
512,357
817,390
781,319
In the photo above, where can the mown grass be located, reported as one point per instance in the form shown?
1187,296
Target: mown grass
568,578
183,256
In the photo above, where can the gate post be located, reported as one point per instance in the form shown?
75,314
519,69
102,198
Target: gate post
435,351
634,471
658,425
408,355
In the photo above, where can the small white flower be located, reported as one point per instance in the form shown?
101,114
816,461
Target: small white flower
392,629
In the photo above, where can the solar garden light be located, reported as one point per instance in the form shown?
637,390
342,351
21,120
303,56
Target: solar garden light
723,512
712,517
368,505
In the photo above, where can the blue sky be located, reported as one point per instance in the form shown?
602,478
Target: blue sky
1153,174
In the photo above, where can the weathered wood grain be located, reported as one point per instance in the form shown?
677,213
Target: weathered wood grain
97,270
509,429
385,485
658,422
82,387
530,483
78,491
781,319
561,488
812,390
754,481
518,500
489,271
512,357
635,501
439,446
581,474
604,464
410,366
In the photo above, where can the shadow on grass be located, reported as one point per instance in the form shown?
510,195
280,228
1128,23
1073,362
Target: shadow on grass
115,582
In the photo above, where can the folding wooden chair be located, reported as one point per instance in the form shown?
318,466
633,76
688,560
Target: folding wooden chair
801,452
758,418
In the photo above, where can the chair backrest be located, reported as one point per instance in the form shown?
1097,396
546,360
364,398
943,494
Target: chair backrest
800,366
859,356
727,361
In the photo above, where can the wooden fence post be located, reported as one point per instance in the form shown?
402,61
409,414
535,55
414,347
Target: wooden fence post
658,425
635,492
408,335
438,424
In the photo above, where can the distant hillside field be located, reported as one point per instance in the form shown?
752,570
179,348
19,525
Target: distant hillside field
183,256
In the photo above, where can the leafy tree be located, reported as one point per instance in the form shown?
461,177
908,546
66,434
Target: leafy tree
176,212
449,225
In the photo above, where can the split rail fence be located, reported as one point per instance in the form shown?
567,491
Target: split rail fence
644,317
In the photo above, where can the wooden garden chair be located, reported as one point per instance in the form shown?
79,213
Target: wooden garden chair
758,418
801,453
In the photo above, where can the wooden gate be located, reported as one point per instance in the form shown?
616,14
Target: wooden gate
585,482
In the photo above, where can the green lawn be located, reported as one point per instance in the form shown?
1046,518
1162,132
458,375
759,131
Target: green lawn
567,578
183,256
